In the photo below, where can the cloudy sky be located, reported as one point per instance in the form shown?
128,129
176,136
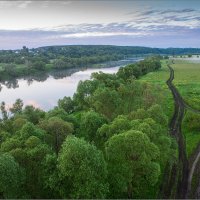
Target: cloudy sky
154,23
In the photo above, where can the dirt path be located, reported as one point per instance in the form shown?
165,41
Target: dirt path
175,128
185,174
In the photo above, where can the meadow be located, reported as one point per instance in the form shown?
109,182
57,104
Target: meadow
187,76
159,78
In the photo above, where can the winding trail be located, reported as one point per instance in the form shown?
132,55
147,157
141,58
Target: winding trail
185,174
175,129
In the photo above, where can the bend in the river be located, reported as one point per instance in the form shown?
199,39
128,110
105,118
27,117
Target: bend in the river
45,89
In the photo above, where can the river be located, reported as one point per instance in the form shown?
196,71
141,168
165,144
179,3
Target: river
44,90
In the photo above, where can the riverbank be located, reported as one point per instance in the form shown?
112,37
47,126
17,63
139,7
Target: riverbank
44,89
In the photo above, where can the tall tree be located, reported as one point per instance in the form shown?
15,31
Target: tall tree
58,130
83,168
17,107
90,122
132,164
11,178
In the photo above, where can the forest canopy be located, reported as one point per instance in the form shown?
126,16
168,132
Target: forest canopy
109,141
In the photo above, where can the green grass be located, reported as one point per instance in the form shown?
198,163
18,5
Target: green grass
159,78
20,70
187,81
192,140
192,136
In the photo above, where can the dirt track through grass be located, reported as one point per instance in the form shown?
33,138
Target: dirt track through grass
185,180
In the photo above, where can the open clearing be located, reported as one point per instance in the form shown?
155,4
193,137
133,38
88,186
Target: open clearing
187,81
160,77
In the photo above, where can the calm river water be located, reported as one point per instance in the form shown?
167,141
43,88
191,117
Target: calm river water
43,91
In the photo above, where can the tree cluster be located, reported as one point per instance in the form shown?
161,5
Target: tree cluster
109,141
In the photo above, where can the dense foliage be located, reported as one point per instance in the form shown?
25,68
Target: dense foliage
109,141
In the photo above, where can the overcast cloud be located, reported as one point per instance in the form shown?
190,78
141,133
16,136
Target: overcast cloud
151,23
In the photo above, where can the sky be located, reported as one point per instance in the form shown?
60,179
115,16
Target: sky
152,23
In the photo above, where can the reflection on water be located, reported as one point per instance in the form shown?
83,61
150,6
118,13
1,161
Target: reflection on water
43,90
40,77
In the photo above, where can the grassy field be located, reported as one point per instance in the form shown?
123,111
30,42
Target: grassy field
192,135
159,78
187,80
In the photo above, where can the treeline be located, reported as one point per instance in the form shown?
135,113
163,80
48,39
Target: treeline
109,141
141,68
94,52
15,63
